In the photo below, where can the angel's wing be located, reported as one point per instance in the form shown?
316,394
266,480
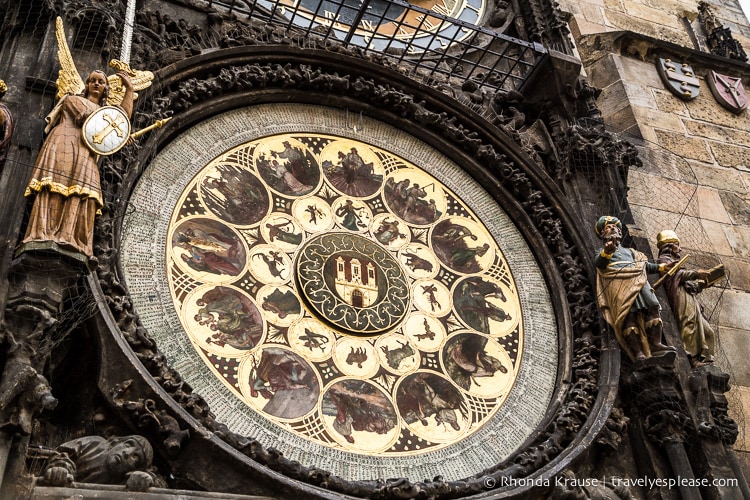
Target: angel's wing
140,80
69,81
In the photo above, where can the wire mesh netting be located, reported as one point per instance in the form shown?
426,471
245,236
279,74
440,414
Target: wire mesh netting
665,194
428,40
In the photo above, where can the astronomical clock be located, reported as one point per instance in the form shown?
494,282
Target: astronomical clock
349,295
340,269
350,255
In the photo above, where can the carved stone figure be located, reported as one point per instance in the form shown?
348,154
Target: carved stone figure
6,126
94,459
625,297
682,289
65,179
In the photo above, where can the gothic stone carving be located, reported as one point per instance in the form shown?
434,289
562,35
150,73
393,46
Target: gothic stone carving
150,419
39,284
614,430
94,459
720,39
654,388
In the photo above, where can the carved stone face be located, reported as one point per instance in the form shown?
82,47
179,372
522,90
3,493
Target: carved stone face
676,248
96,84
124,457
611,231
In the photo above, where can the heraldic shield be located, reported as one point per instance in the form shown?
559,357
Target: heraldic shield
106,130
679,78
728,91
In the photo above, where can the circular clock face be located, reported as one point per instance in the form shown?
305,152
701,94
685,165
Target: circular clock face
388,25
336,294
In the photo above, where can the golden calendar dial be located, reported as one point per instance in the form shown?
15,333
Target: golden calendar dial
300,244
356,297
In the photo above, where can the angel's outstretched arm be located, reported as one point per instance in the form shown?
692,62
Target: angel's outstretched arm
127,100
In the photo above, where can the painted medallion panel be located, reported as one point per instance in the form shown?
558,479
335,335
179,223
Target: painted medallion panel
246,269
355,293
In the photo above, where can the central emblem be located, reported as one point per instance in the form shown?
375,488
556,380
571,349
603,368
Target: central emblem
352,283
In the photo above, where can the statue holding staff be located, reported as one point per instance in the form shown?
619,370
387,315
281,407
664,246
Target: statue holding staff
65,181
682,288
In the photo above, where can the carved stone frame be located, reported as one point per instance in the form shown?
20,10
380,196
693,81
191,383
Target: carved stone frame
133,370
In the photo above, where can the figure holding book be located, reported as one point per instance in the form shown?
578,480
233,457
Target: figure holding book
682,290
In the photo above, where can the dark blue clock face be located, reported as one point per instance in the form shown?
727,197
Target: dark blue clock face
376,11
383,25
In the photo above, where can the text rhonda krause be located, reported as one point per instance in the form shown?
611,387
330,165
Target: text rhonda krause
637,482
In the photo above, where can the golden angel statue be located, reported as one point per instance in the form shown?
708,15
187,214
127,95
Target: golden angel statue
65,180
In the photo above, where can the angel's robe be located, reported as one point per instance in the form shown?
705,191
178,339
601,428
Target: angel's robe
66,183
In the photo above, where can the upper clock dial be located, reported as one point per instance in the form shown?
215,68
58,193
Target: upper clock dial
388,25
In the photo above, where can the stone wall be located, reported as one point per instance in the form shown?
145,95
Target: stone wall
662,19
696,174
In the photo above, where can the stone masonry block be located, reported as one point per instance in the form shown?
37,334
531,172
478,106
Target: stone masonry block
570,6
731,350
605,71
614,5
717,132
623,121
723,179
656,119
579,27
592,12
705,108
717,236
739,272
652,191
730,156
655,15
710,205
738,303
667,102
686,147
662,163
737,207
613,98
628,21
739,238
640,74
